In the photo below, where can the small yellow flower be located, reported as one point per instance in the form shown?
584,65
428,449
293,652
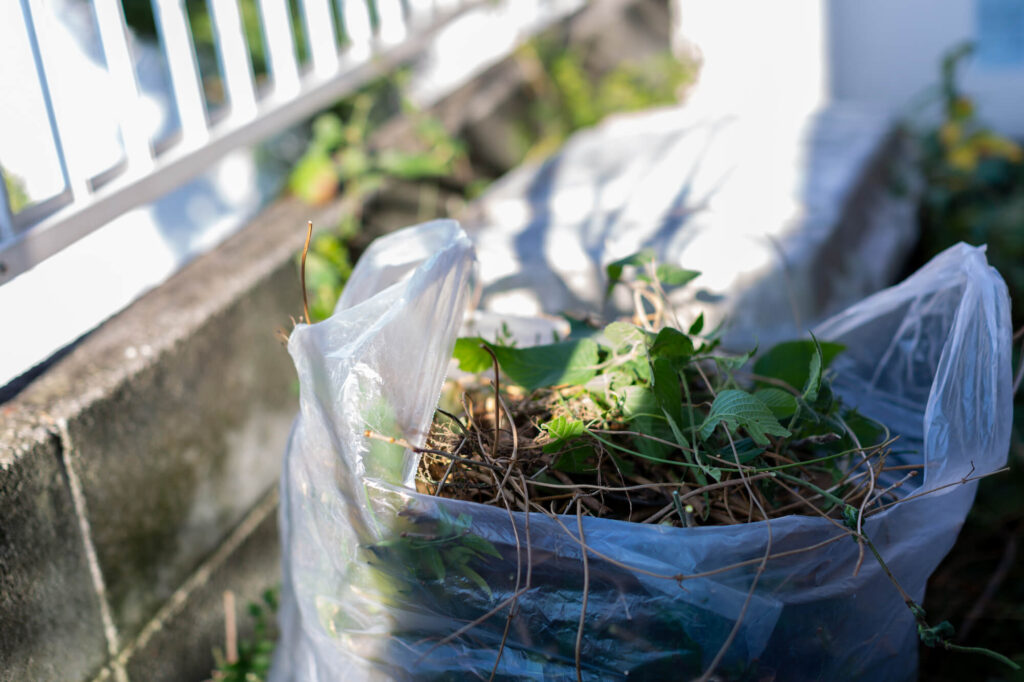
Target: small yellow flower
963,157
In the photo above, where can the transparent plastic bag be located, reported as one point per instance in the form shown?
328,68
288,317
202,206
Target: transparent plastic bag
376,584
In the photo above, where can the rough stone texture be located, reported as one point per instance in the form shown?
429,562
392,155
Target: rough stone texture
50,624
176,415
178,645
200,435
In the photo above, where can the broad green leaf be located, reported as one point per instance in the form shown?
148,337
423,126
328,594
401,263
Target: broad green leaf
561,428
639,366
622,335
674,276
566,362
640,408
730,363
671,343
476,578
328,133
626,466
740,410
480,545
614,269
666,387
433,559
656,426
790,361
412,166
867,430
578,328
746,450
637,401
578,460
314,178
781,403
697,325
471,355
671,275
669,396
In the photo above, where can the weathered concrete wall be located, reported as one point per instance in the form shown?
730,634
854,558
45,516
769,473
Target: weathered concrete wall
50,624
138,474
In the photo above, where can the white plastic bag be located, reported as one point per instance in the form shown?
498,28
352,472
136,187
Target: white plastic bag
931,357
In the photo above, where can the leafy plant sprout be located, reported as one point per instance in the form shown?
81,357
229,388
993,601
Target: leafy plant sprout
647,423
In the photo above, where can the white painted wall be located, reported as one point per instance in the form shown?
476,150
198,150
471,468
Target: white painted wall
790,55
887,53
758,55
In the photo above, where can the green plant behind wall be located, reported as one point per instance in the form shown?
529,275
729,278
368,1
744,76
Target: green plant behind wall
974,184
569,97
17,196
250,659
974,192
344,162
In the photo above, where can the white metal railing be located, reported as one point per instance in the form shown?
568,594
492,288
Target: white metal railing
377,34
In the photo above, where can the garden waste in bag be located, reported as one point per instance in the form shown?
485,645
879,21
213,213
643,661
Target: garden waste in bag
384,583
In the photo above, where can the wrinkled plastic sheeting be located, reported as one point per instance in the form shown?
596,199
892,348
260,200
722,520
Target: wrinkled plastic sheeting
932,354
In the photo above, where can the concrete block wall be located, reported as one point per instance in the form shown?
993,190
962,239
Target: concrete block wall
138,473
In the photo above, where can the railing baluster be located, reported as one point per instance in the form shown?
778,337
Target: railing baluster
323,44
234,57
36,20
392,21
280,47
51,224
172,23
113,35
421,11
356,17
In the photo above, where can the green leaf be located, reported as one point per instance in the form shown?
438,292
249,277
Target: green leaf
740,410
790,361
626,466
640,367
640,408
479,544
781,403
328,133
730,363
577,460
669,396
746,450
813,384
637,401
471,355
433,559
666,387
562,428
476,578
671,343
867,430
314,178
623,336
697,325
566,362
675,276
412,166
614,269
579,328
